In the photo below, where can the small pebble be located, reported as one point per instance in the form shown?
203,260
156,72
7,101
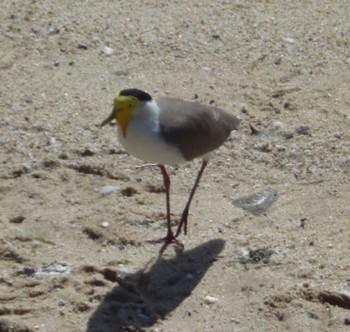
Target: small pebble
108,51
108,189
210,299
61,303
82,47
288,135
281,148
105,224
303,130
27,167
54,268
278,124
289,40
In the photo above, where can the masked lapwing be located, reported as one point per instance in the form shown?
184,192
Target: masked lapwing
168,131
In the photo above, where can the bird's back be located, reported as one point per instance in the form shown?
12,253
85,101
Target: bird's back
195,129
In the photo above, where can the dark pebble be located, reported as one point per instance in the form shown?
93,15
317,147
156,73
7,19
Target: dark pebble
28,271
303,130
82,47
17,220
288,135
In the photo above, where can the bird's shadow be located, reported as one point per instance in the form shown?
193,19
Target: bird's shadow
142,298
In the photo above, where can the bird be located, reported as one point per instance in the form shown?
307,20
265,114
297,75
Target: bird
170,131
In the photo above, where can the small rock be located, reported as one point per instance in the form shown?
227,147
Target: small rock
27,271
82,47
61,303
63,156
105,224
108,189
108,51
289,40
210,299
303,130
302,222
288,135
27,167
54,268
278,124
281,148
277,61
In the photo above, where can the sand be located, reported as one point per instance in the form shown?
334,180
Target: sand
76,210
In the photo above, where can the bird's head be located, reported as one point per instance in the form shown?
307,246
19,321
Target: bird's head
124,104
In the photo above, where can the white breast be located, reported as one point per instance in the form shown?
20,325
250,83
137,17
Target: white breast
143,137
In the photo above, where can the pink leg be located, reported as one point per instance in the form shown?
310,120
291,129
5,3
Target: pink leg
184,217
166,180
169,238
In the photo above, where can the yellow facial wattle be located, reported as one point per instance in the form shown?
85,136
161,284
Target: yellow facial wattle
122,111
123,107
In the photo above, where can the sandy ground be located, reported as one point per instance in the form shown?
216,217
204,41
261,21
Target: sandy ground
76,210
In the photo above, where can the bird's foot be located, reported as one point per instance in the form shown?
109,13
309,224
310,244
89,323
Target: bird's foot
168,239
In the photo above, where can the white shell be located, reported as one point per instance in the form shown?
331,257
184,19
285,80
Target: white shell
210,299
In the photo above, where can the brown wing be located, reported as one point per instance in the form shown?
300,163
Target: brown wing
193,128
